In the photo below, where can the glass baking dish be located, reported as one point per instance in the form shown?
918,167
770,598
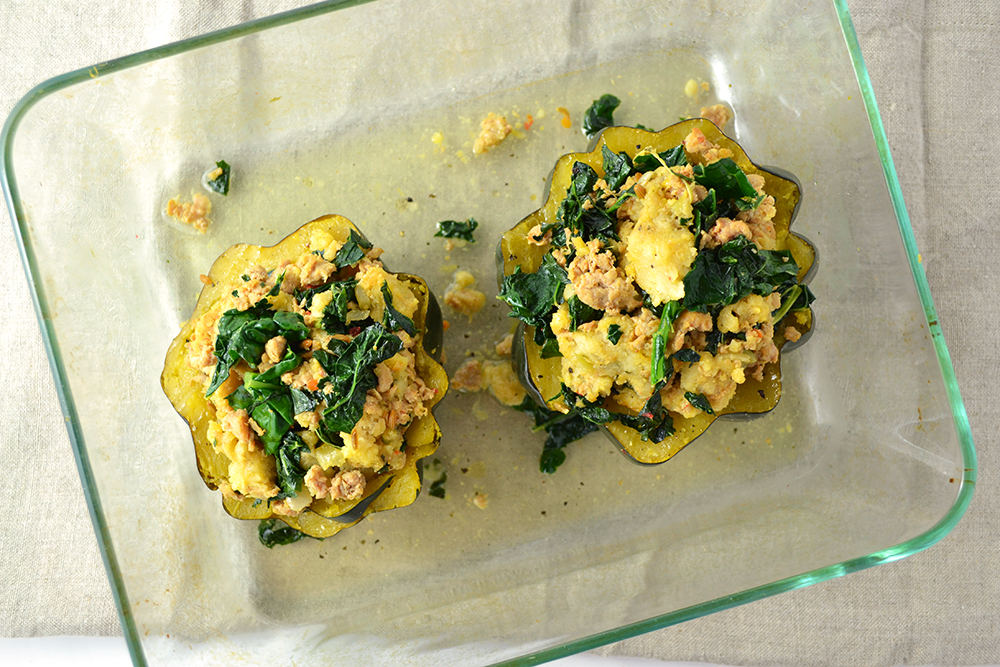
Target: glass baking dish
370,111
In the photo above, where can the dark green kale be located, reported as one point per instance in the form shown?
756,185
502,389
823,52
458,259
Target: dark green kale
351,375
699,401
392,319
290,472
304,400
617,167
352,251
796,297
726,177
581,313
455,229
220,183
614,333
243,334
546,340
532,296
724,275
687,355
653,422
561,429
600,115
335,314
675,157
272,532
658,369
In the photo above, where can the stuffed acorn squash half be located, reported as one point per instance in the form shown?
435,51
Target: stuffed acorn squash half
307,379
656,286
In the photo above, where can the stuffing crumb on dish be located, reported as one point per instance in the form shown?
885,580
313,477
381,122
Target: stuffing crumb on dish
496,376
718,114
494,130
480,500
503,347
194,213
462,297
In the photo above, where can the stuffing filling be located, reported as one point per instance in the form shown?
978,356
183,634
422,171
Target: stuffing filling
310,372
661,285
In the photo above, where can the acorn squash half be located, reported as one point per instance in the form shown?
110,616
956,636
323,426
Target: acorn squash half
186,385
541,376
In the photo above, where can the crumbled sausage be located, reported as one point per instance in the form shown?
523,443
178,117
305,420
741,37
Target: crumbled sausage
725,230
468,377
599,283
718,114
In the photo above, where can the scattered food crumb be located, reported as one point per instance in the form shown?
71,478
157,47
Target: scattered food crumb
437,137
494,130
691,89
792,334
718,114
461,296
504,346
194,213
206,280
496,376
468,378
445,325
528,122
566,122
480,500
499,378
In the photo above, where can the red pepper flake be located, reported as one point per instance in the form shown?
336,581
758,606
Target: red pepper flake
354,331
528,122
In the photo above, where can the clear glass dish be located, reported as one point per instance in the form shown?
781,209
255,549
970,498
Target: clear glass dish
334,109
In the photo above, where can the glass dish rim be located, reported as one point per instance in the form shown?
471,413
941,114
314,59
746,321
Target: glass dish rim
130,631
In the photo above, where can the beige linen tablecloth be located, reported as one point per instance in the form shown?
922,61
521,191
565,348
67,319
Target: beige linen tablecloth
935,66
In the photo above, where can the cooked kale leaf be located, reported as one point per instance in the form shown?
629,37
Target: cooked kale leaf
352,251
290,472
675,157
617,167
724,275
532,296
614,333
272,532
699,401
600,115
456,229
726,177
243,334
687,355
392,319
561,429
658,368
351,375
220,183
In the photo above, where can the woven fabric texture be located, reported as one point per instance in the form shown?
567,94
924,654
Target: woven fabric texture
934,65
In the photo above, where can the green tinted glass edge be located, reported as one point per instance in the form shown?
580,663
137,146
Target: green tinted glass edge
914,545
